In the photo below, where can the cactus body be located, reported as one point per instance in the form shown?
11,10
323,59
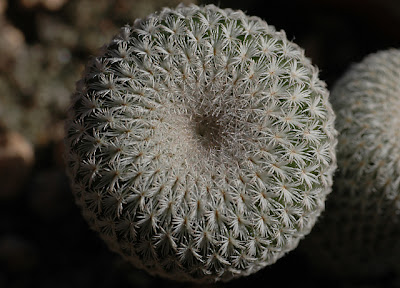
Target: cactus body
201,144
358,235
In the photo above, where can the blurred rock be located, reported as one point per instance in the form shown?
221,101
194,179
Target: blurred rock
3,6
12,42
49,4
54,30
16,161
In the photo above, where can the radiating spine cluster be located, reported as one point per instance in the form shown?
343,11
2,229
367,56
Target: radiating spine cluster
360,229
201,144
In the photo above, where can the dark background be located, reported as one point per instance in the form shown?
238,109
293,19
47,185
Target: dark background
44,242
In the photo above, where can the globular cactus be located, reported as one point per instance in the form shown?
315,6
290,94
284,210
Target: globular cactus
200,144
358,235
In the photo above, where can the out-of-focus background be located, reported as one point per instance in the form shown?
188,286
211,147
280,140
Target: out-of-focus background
44,45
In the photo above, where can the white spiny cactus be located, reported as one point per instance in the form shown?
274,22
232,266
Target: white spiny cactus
359,232
201,144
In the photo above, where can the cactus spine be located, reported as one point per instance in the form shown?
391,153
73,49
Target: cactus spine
201,144
358,235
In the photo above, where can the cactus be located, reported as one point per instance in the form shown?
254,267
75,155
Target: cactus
200,144
358,235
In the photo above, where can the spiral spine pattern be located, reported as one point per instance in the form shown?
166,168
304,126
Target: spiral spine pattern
201,144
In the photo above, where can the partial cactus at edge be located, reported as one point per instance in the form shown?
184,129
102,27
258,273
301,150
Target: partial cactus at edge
200,144
359,233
